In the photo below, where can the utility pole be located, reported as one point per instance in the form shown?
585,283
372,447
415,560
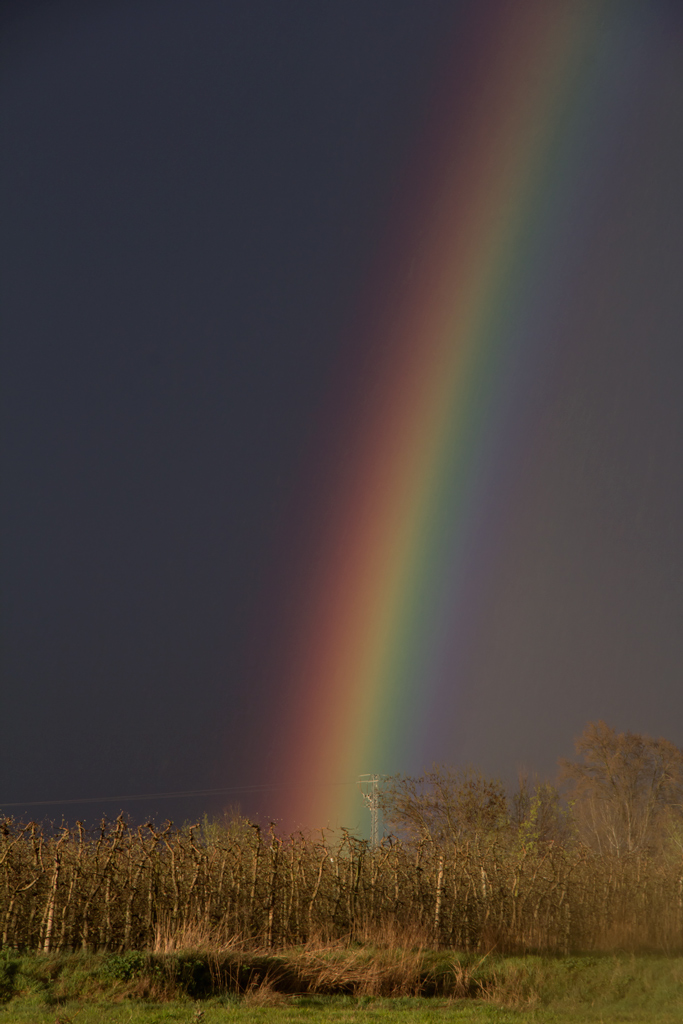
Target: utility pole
369,788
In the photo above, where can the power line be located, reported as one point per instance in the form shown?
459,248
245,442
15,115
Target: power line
160,796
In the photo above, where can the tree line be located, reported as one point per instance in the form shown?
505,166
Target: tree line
621,798
595,862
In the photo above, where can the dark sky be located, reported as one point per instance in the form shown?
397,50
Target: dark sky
192,196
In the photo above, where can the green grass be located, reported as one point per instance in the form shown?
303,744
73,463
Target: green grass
137,988
329,1010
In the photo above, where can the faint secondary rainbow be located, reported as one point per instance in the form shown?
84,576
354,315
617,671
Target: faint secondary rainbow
442,333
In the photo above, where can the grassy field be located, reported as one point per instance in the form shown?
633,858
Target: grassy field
333,1010
85,989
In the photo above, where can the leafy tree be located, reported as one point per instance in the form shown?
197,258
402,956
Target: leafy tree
539,814
624,789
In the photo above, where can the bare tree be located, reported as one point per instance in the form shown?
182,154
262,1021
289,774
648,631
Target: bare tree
623,789
445,804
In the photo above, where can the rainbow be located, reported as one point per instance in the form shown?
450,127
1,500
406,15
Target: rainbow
411,513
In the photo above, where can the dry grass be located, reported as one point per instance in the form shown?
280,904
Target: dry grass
194,936
515,989
262,994
364,971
